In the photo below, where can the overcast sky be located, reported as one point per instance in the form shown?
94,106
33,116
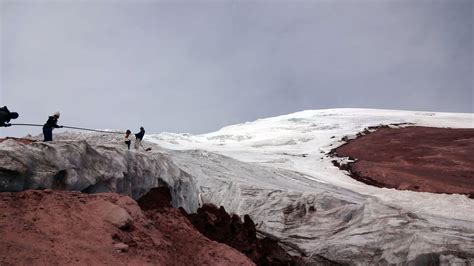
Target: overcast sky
196,66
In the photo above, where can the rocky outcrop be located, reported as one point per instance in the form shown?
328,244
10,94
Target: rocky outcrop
115,215
60,228
218,225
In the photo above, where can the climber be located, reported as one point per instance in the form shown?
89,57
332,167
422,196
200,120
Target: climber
51,124
139,138
6,116
128,138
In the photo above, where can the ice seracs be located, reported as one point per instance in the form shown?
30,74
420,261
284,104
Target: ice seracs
300,142
295,174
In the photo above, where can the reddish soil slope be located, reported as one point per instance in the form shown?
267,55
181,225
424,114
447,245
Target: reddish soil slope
439,160
58,228
216,224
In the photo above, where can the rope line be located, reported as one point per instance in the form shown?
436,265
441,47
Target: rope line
78,128
26,125
95,130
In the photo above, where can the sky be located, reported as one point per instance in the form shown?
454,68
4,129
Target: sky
197,66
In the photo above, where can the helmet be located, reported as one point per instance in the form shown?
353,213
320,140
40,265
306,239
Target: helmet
14,115
56,114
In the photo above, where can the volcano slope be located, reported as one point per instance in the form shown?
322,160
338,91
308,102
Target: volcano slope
72,228
276,170
45,226
439,160
280,171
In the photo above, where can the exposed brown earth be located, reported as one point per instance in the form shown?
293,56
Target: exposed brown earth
216,224
57,228
438,160
49,227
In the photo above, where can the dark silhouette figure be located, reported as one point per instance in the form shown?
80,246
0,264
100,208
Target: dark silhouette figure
128,138
51,124
6,116
139,137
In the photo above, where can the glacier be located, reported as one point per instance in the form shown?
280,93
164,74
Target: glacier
279,171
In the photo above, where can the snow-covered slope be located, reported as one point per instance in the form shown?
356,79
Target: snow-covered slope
299,142
277,171
277,168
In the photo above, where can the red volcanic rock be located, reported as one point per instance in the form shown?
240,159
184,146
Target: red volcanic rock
439,160
114,214
58,228
216,224
156,199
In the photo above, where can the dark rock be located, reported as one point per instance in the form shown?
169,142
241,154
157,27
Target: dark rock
156,198
218,225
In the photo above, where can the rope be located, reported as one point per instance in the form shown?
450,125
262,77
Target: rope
79,128
33,125
95,130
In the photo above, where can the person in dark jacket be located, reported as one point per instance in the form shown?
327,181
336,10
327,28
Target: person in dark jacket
139,137
128,138
51,124
6,116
